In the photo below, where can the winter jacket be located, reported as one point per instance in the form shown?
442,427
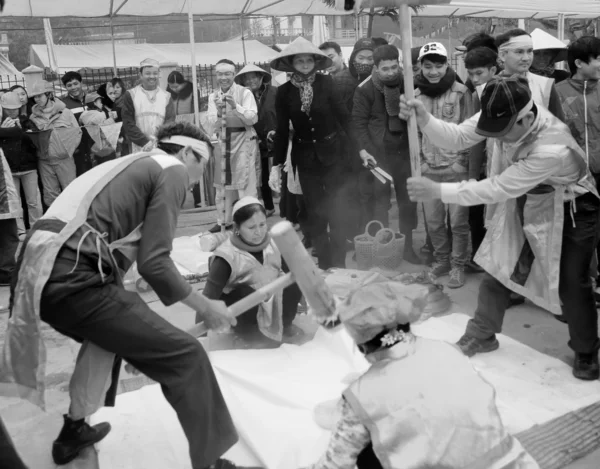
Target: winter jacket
10,203
66,133
74,105
575,103
454,106
267,116
370,123
183,102
19,150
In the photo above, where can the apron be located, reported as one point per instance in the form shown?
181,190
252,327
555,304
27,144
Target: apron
23,359
523,244
149,116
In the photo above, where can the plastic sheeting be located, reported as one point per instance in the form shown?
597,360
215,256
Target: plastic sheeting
130,55
271,395
480,8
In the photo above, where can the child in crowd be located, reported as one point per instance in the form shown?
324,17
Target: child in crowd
449,100
481,64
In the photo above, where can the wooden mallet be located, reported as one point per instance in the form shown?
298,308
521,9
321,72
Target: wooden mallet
406,36
303,272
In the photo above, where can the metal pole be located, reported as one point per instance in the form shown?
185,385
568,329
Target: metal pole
195,83
243,40
114,49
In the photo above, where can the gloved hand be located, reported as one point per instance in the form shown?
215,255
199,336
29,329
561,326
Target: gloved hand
275,178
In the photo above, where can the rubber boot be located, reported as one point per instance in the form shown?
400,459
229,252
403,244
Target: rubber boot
75,436
409,253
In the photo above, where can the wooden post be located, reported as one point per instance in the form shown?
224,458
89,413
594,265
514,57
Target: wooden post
223,165
409,91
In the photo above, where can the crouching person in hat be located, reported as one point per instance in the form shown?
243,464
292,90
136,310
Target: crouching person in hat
69,276
543,232
145,108
245,262
241,149
396,415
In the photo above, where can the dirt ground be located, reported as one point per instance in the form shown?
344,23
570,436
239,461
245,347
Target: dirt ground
34,430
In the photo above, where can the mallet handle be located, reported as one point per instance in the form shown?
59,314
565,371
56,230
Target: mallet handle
409,88
250,301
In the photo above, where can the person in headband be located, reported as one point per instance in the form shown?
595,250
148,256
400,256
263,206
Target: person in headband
245,261
237,133
545,215
396,402
120,212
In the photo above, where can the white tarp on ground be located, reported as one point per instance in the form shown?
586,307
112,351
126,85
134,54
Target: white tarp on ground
482,8
130,55
272,393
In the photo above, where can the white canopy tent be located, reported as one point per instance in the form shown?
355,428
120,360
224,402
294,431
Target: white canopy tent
236,8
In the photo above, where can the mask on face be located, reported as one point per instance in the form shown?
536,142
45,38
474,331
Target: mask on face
363,69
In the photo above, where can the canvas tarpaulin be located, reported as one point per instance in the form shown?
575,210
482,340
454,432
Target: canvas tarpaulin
96,56
272,394
482,8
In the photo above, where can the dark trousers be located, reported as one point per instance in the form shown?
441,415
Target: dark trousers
265,190
374,199
9,458
81,306
323,196
247,321
292,206
477,226
575,287
9,243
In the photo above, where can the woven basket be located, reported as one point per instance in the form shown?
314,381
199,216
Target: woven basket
363,246
388,249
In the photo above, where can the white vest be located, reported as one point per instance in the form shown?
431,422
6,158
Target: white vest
540,87
149,115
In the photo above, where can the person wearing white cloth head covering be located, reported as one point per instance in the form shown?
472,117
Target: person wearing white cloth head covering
421,403
247,260
70,276
515,51
146,107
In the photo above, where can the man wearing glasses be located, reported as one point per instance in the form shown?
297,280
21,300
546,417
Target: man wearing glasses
241,144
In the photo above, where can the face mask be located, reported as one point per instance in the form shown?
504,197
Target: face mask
363,69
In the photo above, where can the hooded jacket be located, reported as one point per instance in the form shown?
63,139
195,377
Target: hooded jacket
576,96
348,79
66,133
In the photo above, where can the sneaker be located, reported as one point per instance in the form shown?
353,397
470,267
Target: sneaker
586,367
438,269
75,436
270,213
411,256
292,332
472,345
217,228
457,277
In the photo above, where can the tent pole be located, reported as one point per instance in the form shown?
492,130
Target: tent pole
243,40
409,91
114,49
195,94
561,26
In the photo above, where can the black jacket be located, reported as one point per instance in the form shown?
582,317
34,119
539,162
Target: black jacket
370,122
267,117
18,147
316,136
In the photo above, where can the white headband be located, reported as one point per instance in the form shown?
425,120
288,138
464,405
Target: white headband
225,65
200,147
245,201
518,42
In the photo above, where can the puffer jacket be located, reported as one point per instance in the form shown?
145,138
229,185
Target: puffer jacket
66,133
19,150
576,96
454,106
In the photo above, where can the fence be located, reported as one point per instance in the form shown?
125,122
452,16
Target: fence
93,78
6,81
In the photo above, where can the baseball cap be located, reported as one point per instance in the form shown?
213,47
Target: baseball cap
503,100
91,97
10,100
431,48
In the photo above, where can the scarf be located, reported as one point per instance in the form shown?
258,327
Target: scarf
391,90
544,72
239,243
304,84
433,90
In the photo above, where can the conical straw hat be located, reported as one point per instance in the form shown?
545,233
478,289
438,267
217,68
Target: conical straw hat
283,62
251,68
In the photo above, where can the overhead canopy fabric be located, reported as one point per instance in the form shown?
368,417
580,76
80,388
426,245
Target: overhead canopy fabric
98,56
476,8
